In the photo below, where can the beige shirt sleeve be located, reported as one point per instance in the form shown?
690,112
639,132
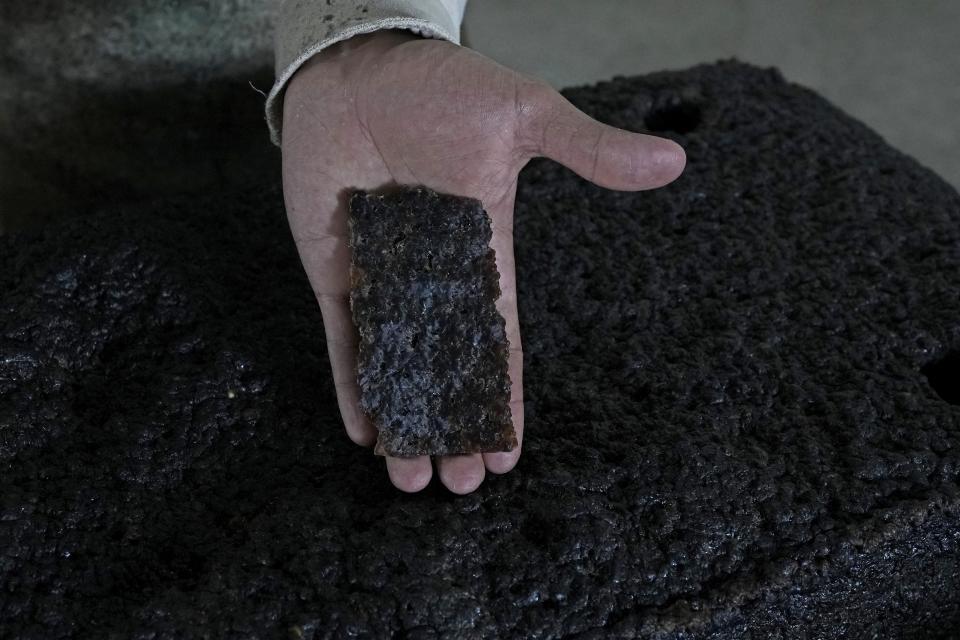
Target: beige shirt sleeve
304,27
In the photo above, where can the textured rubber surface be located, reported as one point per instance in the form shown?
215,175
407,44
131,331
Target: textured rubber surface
433,350
732,422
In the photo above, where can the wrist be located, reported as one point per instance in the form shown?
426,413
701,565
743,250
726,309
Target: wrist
330,74
363,44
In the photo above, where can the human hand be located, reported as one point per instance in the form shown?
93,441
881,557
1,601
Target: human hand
393,108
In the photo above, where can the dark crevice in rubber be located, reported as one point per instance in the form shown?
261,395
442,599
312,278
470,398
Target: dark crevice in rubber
682,117
944,376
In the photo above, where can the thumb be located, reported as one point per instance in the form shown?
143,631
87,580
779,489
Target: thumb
613,158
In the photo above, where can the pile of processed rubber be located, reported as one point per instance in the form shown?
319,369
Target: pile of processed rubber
738,414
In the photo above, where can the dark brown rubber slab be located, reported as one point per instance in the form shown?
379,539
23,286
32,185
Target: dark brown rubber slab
433,352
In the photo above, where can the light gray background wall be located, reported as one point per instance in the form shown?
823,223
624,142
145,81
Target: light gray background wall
893,64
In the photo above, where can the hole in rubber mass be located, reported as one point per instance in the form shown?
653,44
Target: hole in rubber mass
944,376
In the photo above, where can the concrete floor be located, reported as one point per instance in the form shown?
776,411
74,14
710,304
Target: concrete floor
894,65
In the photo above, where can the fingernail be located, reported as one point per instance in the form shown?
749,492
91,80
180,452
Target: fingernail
502,462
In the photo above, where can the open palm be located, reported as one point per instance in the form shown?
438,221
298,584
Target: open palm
392,108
